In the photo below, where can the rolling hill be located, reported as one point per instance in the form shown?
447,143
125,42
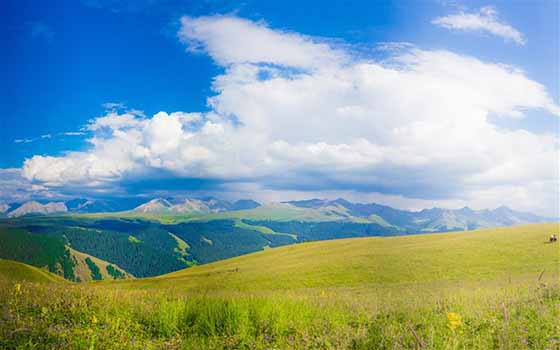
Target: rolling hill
13,271
473,256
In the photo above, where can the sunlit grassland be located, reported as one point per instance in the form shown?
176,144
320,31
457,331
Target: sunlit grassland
15,271
486,289
364,263
262,229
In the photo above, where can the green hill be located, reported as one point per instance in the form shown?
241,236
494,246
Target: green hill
472,256
12,271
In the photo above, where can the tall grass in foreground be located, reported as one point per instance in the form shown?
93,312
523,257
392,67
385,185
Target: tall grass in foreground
51,316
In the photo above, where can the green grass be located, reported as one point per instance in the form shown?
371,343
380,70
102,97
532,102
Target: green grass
276,212
485,289
161,218
472,256
12,271
133,239
182,246
262,229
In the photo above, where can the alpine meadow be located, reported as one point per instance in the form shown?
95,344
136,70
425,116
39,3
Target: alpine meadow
280,175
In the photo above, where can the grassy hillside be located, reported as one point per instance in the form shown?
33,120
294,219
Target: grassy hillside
12,271
486,289
89,268
481,255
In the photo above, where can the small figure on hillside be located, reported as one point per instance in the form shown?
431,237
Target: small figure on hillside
552,238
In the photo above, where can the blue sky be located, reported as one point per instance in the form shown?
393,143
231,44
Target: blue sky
63,64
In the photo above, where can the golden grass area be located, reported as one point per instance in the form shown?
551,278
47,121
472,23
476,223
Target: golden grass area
485,289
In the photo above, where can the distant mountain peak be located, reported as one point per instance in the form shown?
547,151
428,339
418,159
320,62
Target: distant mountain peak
34,207
4,208
465,209
156,205
191,205
503,208
342,202
161,201
203,205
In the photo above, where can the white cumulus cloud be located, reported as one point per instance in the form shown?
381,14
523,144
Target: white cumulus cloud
485,20
311,117
16,188
231,40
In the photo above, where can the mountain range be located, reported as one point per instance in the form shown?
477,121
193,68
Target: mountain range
426,220
155,206
193,206
37,208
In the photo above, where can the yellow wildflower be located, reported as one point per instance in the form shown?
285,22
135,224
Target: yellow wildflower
94,319
454,320
17,288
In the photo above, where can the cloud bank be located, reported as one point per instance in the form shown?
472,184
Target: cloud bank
15,188
295,113
485,20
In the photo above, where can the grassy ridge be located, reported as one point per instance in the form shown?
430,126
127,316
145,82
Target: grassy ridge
262,229
12,271
474,290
